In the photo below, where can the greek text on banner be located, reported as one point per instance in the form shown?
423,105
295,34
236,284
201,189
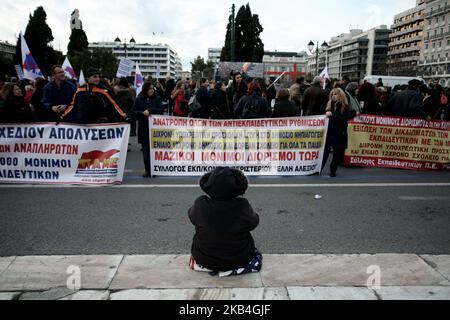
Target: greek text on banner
63,154
404,143
260,147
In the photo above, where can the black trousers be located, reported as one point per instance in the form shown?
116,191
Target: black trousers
146,154
338,158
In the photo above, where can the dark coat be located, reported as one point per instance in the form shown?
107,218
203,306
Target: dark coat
154,106
204,98
408,104
125,98
56,96
337,136
220,108
223,222
285,109
315,101
15,110
93,104
367,93
41,114
262,106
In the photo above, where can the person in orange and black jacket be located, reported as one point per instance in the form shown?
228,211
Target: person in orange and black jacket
93,104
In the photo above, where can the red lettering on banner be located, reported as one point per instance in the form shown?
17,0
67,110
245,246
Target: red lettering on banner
174,156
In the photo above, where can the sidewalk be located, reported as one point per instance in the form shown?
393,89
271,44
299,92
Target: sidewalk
284,277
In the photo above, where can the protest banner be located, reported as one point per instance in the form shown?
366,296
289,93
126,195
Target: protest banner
259,147
63,154
19,71
125,68
393,142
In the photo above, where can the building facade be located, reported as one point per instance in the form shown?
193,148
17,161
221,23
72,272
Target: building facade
7,51
334,52
186,75
434,61
214,55
293,64
356,54
406,41
158,61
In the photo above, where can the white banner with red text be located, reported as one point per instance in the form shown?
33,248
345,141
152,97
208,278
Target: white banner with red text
259,147
64,154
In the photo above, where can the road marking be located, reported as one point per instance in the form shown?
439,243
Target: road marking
424,198
261,186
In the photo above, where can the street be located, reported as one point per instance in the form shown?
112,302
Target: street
363,210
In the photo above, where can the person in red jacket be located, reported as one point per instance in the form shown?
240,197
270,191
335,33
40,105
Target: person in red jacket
181,104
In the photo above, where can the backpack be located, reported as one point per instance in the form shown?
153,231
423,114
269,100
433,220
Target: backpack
250,110
194,105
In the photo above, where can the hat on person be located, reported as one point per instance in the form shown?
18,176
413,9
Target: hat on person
352,86
224,183
93,72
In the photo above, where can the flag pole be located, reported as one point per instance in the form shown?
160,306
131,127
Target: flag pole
276,80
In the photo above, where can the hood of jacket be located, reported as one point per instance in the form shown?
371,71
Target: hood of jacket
224,183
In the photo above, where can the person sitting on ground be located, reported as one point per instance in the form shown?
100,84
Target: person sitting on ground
223,220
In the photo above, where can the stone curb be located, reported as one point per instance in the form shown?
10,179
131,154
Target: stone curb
284,277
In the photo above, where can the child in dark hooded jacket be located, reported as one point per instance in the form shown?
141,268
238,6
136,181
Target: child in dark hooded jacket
223,221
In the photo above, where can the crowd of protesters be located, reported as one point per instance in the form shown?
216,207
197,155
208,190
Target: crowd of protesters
103,101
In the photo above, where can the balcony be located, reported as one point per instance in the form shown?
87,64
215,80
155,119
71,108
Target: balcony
403,41
434,61
408,21
406,31
404,50
437,12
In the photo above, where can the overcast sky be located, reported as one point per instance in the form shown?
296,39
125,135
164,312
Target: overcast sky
190,27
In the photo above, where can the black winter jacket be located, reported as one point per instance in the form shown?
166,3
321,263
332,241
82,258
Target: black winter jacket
154,106
408,104
223,222
337,136
94,104
315,101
